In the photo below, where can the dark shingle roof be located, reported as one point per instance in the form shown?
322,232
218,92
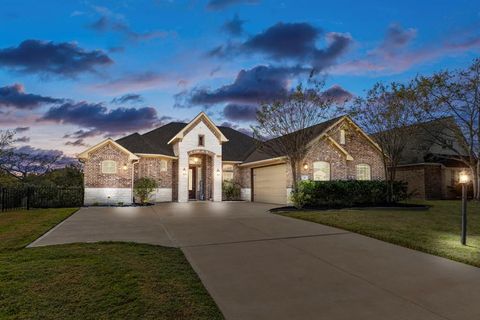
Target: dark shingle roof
237,148
421,145
268,152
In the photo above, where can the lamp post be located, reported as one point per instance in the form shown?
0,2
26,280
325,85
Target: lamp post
464,179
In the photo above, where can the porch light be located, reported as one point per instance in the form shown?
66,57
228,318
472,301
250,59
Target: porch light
305,166
125,166
218,172
184,171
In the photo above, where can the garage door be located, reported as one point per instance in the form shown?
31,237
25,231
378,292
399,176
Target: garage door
270,184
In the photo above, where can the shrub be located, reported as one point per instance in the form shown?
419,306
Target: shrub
231,190
143,187
348,193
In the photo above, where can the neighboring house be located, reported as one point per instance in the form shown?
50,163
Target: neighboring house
428,162
189,161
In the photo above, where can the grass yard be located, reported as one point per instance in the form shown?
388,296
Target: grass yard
93,281
436,231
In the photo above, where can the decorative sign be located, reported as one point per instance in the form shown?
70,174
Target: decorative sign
305,177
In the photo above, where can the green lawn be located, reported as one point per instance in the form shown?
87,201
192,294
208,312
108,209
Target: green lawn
93,281
436,231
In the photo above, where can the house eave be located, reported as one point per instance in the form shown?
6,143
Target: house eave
155,155
264,162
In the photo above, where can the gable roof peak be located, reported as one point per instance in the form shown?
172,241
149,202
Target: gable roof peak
201,116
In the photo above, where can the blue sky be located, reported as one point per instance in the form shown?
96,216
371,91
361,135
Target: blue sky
74,72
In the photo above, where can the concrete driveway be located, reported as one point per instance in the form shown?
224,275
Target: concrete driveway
257,265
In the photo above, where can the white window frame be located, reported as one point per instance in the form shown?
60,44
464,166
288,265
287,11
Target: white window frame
363,172
342,136
163,165
109,167
324,171
227,172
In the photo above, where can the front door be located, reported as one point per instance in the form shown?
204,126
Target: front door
192,183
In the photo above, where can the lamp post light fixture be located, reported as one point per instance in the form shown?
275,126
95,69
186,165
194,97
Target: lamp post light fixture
464,179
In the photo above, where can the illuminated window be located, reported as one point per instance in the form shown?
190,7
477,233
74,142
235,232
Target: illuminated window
363,172
227,172
109,167
201,140
321,171
342,136
163,165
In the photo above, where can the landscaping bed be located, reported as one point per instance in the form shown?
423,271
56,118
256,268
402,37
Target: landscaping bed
381,206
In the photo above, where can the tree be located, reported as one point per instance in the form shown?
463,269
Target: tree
385,113
143,187
24,161
289,123
6,139
453,95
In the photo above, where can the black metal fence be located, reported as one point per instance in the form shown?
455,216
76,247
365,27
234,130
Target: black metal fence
40,197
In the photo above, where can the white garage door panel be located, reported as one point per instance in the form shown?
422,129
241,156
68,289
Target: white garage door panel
270,184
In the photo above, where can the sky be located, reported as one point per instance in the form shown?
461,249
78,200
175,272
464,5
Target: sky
75,72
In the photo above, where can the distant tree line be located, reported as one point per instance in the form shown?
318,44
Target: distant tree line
25,166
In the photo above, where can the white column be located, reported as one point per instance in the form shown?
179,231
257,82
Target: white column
182,177
217,178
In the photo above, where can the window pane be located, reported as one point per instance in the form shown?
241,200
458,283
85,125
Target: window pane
109,166
363,172
163,165
321,171
342,136
227,176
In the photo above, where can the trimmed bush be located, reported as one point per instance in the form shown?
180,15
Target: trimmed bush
231,190
348,193
143,187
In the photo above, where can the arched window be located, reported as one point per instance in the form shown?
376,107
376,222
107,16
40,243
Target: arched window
363,172
321,171
109,167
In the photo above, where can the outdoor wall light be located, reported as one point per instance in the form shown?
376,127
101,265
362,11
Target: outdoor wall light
218,172
184,171
464,178
305,166
125,166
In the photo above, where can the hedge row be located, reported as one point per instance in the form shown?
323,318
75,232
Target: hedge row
349,193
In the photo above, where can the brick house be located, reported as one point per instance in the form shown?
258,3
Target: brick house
430,165
190,161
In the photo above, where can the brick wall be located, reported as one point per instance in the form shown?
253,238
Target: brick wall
94,178
150,167
415,177
357,145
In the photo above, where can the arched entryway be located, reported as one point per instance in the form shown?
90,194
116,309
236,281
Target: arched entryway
200,175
